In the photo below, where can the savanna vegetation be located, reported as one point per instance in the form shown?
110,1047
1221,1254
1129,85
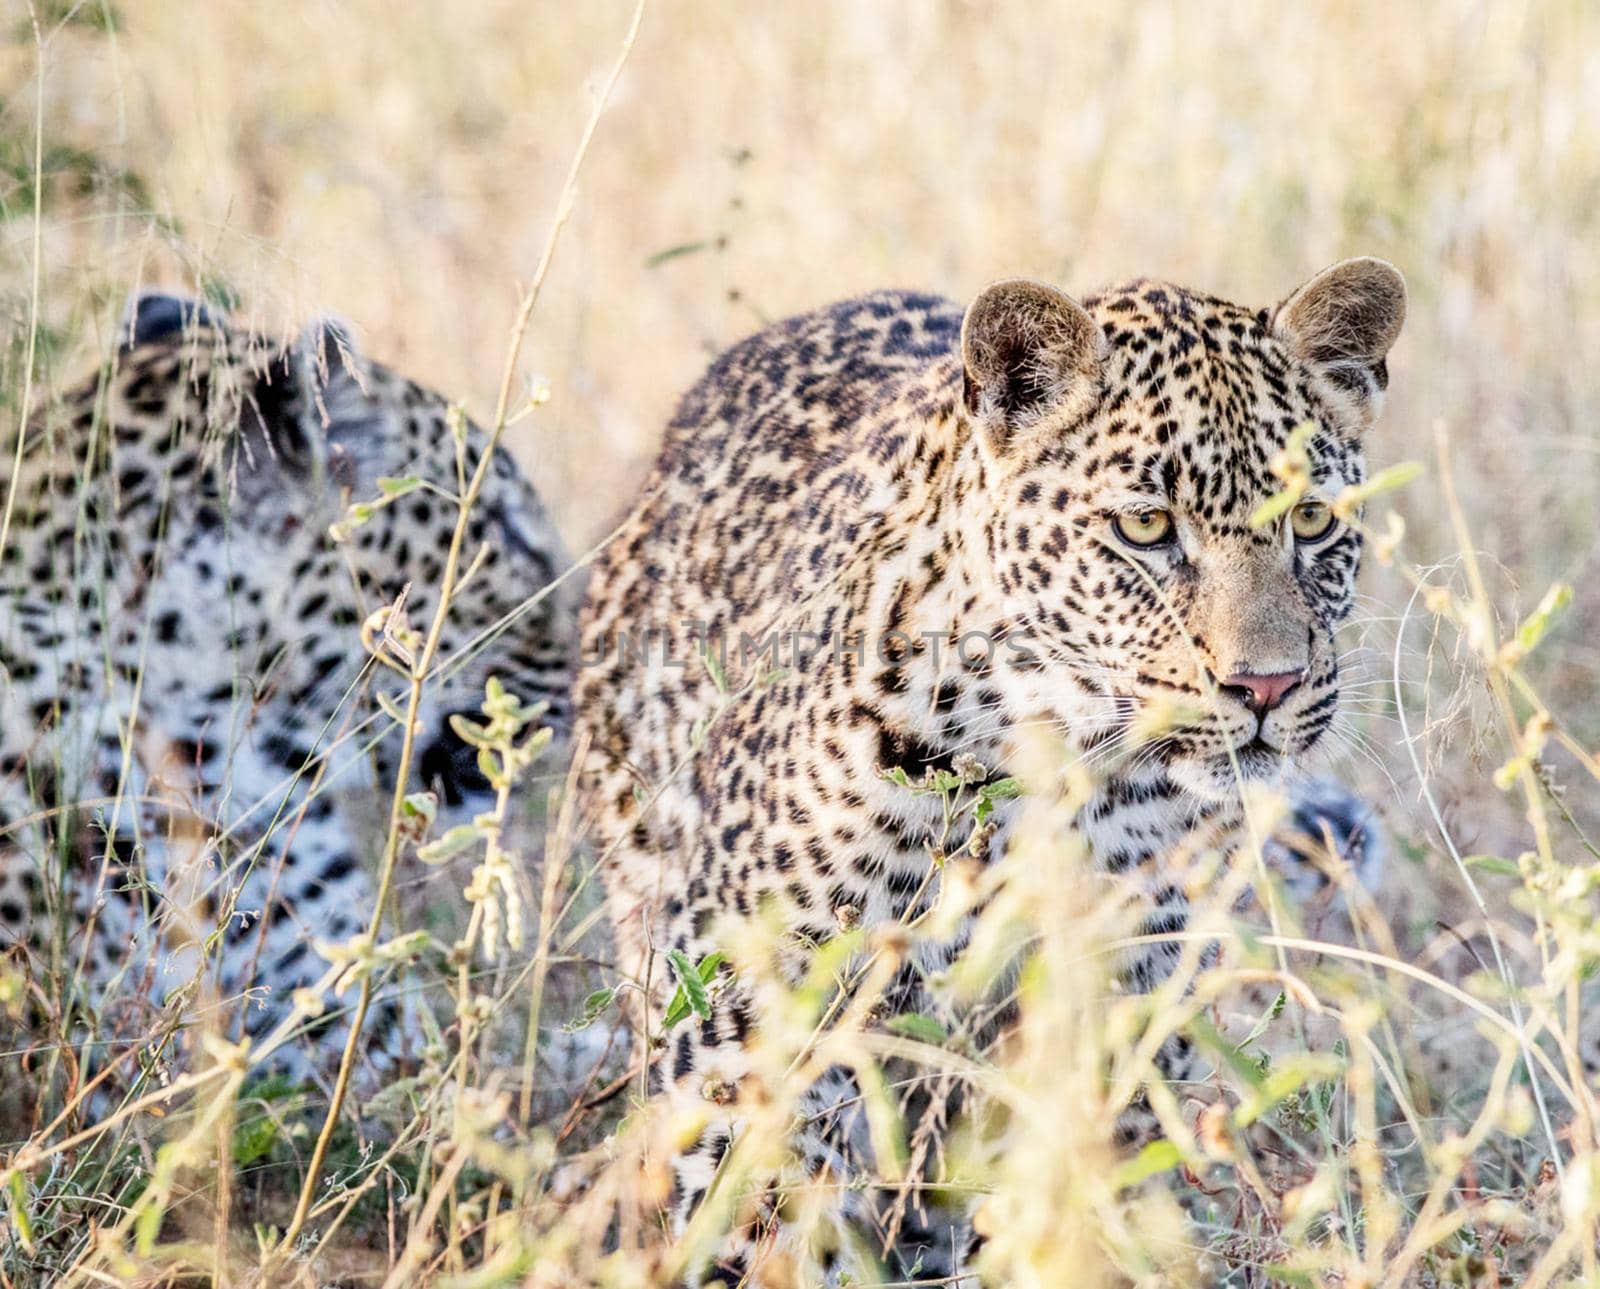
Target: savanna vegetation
531,197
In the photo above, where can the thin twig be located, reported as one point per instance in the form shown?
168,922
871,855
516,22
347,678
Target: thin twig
33,300
424,660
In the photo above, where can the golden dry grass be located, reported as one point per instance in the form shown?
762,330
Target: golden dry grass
398,165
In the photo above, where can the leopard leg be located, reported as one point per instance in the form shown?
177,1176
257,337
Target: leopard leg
829,1213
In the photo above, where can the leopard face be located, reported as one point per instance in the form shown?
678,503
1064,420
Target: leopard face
1131,445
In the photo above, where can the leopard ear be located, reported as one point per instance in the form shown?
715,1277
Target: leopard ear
340,409
154,317
1028,352
306,418
1344,321
328,355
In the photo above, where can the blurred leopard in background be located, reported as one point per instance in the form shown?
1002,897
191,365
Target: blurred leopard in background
1067,486
191,752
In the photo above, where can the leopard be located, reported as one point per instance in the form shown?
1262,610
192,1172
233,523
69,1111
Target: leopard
1033,512
206,542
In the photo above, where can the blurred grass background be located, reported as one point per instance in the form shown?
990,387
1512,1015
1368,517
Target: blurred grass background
398,165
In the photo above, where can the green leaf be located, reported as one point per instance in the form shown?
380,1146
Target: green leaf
1538,622
691,994
1207,1036
925,1029
462,837
1266,1018
392,488
354,516
677,1010
895,774
419,805
253,1138
1506,776
469,732
989,793
19,1210
1496,864
148,1224
1156,1157
673,252
594,1007
273,1087
1281,1274
719,678
535,744
681,1005
1283,1082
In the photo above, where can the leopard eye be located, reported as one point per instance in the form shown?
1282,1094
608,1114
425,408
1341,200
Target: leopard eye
1144,527
1311,520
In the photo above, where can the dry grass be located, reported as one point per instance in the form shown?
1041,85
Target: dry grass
399,166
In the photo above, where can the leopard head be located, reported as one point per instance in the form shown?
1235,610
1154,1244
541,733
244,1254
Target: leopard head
341,480
1129,447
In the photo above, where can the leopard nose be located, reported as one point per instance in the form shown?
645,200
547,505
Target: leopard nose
1261,693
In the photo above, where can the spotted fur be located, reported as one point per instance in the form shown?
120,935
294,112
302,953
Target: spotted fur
897,472
191,754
